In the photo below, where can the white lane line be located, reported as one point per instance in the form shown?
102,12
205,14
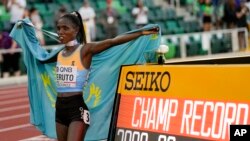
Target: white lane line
13,86
14,108
4,97
15,127
14,117
21,80
14,101
38,138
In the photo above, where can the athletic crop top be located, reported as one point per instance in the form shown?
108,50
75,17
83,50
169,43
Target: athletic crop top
70,73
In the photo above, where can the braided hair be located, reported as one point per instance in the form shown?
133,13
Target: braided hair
76,19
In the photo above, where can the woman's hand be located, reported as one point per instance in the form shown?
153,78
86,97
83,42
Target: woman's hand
154,30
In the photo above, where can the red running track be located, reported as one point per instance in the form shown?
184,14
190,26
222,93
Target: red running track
14,116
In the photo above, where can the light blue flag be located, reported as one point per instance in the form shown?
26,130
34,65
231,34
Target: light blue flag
99,93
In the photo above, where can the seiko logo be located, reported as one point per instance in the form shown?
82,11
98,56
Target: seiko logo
147,81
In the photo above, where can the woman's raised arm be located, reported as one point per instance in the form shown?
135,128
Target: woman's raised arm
98,47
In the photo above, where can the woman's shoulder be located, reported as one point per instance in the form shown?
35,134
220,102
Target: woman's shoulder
86,46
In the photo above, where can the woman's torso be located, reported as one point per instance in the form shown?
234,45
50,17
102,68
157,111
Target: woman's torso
71,74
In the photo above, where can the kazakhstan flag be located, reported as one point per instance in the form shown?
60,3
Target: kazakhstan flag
99,94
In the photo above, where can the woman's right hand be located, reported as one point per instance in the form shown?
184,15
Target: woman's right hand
154,30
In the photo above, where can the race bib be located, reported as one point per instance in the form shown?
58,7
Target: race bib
66,76
85,115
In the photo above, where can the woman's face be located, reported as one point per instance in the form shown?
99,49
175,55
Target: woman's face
66,30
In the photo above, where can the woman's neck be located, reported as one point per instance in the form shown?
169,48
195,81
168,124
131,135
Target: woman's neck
68,50
72,43
71,46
